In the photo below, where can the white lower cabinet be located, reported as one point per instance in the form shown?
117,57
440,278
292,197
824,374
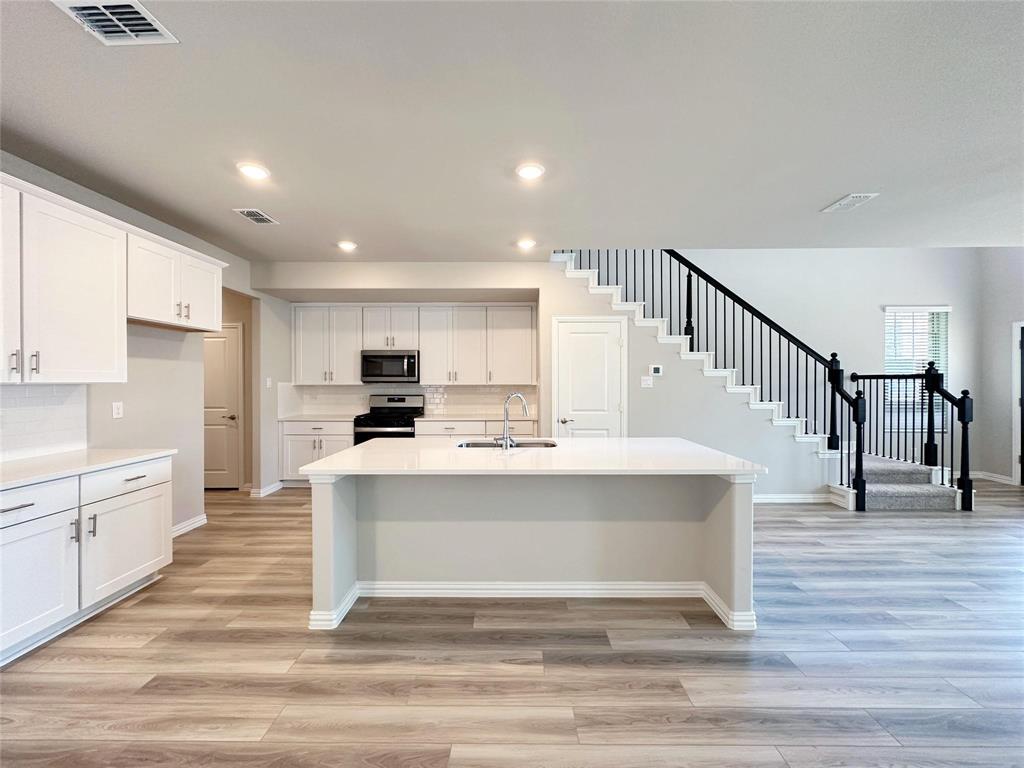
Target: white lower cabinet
124,539
297,451
38,575
303,442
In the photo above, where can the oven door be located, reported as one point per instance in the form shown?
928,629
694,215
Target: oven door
362,434
390,365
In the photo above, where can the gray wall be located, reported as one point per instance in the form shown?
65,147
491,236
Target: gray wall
163,408
237,308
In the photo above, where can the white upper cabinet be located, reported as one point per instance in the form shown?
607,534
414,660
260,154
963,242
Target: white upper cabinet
469,345
510,347
310,339
74,313
172,287
10,284
346,344
391,328
435,345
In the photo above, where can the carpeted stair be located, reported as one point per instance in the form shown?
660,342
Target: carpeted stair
894,484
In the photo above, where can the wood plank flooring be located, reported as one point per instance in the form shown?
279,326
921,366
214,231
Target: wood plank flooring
886,640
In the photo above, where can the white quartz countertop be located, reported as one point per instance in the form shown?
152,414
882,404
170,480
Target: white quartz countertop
54,466
483,416
339,416
579,456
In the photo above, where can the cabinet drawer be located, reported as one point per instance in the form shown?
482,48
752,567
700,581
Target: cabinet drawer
496,428
449,427
131,477
316,427
19,505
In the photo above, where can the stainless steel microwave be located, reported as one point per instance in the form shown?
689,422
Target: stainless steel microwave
390,365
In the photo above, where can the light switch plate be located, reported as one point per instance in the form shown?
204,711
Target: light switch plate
646,382
117,410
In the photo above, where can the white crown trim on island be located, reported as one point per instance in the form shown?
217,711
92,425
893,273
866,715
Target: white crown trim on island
188,525
744,620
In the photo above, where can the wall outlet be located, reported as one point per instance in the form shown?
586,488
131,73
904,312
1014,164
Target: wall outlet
656,369
117,410
646,382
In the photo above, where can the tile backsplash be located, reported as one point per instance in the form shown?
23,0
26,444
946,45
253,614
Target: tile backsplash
41,418
439,400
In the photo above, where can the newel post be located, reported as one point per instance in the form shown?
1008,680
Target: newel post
932,383
688,328
965,415
835,379
860,416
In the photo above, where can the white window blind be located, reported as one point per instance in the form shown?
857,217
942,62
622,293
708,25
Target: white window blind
914,336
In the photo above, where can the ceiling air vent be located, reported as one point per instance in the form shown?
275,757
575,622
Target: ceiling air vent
850,202
255,215
118,23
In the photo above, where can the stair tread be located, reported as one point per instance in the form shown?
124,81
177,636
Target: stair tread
908,489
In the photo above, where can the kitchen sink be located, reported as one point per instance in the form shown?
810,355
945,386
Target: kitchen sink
518,444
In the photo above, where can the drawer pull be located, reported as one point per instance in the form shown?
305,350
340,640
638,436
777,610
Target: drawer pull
316,428
449,428
94,520
20,506
130,479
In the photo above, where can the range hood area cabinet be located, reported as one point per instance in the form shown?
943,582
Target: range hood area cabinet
470,344
170,287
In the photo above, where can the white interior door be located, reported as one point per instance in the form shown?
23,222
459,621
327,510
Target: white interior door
222,408
10,284
590,361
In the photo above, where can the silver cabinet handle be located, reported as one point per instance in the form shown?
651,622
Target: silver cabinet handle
455,376
76,529
316,428
314,443
450,428
565,421
392,342
332,376
325,375
178,309
94,520
490,375
34,366
321,443
449,375
19,506
188,311
130,479
16,361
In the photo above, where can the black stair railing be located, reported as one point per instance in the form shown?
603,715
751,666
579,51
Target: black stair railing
911,416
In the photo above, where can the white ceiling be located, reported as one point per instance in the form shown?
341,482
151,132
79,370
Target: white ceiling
694,125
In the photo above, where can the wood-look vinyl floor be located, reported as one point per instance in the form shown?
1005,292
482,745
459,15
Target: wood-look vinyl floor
886,640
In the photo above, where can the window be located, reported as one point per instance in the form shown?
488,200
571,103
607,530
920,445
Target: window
914,336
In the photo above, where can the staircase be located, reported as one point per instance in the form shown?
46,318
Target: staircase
805,391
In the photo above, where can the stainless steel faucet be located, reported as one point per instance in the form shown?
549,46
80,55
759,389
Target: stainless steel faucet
506,441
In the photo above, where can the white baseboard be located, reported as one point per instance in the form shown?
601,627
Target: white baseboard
187,525
259,493
1005,479
733,619
843,497
792,498
331,619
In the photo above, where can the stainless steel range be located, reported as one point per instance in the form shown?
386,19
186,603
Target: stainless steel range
389,416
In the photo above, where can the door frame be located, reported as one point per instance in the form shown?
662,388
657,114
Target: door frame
623,322
1016,470
240,327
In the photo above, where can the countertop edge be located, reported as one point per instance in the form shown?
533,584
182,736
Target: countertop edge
74,470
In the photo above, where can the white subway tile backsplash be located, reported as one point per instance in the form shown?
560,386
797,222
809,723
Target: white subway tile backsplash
36,419
438,400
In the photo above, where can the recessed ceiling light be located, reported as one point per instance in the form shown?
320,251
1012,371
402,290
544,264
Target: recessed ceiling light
253,171
526,243
530,171
347,246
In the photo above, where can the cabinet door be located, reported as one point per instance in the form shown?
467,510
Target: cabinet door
201,293
405,328
154,273
376,328
10,284
435,345
124,539
332,444
297,451
346,341
310,334
510,345
73,295
469,345
38,575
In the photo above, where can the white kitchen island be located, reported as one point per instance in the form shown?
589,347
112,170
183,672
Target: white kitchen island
592,517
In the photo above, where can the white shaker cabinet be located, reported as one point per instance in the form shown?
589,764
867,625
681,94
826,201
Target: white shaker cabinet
124,538
469,345
38,575
170,287
346,344
510,345
391,328
10,284
310,340
74,314
435,345
303,442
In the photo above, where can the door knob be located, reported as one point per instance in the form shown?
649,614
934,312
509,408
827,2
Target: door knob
232,417
565,421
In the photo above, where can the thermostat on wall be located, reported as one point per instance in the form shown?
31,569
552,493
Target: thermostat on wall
656,369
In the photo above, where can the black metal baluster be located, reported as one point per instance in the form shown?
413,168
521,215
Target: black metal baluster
770,390
952,445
